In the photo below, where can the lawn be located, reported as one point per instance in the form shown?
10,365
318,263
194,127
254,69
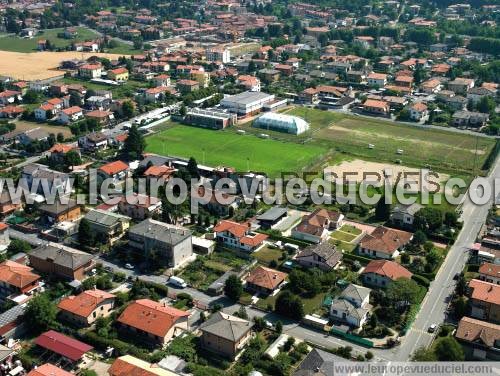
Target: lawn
17,44
123,91
351,230
443,150
343,236
311,305
342,245
243,152
266,254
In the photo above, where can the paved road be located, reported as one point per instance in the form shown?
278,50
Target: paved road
433,309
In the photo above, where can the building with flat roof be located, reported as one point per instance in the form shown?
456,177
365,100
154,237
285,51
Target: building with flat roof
247,103
214,119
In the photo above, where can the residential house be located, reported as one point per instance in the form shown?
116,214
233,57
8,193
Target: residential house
161,80
404,215
48,369
265,280
377,79
377,107
162,172
314,227
116,171
469,119
269,75
129,365
484,300
58,152
384,242
475,94
139,207
156,93
85,308
153,322
461,85
32,135
324,256
7,204
250,83
62,261
36,173
318,363
489,272
18,282
106,224
352,306
11,112
240,236
418,111
118,74
93,141
9,97
69,115
60,211
380,273
90,71
224,334
480,339
187,86
102,118
170,245
431,86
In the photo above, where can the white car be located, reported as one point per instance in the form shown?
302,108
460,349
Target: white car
129,266
432,328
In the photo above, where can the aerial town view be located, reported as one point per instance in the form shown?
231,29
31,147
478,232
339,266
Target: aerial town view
249,187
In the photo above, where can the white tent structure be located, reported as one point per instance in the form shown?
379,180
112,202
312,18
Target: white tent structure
281,123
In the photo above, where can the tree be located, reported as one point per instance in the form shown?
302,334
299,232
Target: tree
448,349
382,210
460,307
369,355
279,327
18,246
72,158
85,233
42,313
450,218
192,168
290,305
233,288
428,219
134,144
423,355
419,238
486,105
128,109
404,291
60,137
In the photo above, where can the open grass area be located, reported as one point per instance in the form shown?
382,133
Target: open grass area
244,152
267,254
343,236
311,305
18,44
123,91
350,229
442,150
342,245
27,125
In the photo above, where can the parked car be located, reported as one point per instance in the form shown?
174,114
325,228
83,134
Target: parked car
177,282
432,328
129,266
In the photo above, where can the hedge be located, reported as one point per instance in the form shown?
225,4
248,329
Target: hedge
121,348
351,256
421,280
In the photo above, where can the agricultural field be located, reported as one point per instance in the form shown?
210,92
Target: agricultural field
244,152
40,65
55,129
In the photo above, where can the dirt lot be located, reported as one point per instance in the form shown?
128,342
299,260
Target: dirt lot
359,170
25,125
39,65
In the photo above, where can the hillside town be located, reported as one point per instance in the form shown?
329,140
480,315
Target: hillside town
228,99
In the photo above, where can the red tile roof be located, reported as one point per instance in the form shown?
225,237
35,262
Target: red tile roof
387,268
492,270
240,231
266,277
385,239
63,345
85,303
485,291
477,331
114,167
376,104
72,110
62,148
18,275
159,171
48,369
151,317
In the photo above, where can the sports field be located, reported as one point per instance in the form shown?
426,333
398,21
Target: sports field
442,150
227,148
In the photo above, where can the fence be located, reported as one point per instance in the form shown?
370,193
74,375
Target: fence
352,337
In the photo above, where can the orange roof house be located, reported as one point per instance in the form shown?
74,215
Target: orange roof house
159,172
86,307
153,321
62,148
479,334
114,169
265,280
128,365
484,298
236,235
48,369
17,279
381,272
376,106
384,242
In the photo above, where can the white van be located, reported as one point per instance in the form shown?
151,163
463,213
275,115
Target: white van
177,282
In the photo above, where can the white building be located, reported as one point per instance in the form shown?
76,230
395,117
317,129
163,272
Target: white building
282,123
246,103
352,306
218,54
